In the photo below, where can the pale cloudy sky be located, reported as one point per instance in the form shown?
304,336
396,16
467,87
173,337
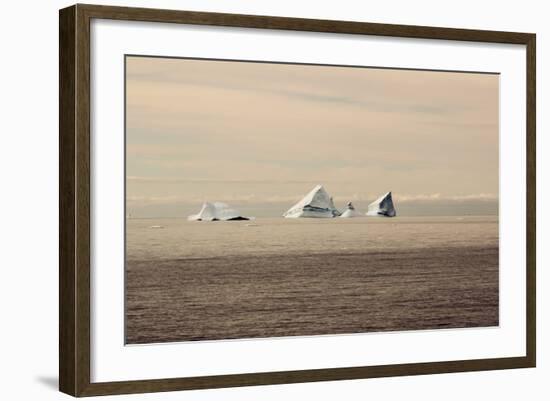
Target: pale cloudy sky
261,135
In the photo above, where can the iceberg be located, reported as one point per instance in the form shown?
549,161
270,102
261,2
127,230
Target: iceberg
317,203
382,206
216,211
350,212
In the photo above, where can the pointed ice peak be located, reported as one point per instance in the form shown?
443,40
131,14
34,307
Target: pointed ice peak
317,203
351,212
383,206
216,211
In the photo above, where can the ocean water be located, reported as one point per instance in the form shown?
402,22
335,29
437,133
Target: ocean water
274,277
179,238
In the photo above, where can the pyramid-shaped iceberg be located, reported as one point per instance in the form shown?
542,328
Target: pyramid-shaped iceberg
382,206
317,203
350,212
215,212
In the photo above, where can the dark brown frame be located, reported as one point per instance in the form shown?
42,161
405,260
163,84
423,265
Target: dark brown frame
74,199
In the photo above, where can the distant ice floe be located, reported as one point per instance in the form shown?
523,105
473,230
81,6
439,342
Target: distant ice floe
351,212
382,206
317,204
217,211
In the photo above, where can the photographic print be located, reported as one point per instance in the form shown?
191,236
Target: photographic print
276,199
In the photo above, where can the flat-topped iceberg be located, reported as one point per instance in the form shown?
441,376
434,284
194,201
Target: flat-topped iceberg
217,211
382,206
350,212
317,203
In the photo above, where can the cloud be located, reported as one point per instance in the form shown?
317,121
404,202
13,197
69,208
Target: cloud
286,197
143,179
436,197
302,83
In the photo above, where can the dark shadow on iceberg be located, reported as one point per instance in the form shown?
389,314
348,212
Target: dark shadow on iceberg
382,207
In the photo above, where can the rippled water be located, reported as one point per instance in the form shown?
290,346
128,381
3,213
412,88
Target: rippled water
280,277
179,238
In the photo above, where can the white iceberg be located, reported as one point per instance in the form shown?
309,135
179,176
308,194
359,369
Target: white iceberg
350,212
317,203
382,206
215,212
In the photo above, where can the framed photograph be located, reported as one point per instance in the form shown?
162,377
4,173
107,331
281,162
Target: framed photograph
249,200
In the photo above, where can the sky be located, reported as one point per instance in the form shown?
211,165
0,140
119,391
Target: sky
259,136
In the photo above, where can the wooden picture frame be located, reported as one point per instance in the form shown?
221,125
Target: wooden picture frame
74,199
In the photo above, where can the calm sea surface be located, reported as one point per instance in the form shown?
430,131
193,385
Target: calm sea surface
280,277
